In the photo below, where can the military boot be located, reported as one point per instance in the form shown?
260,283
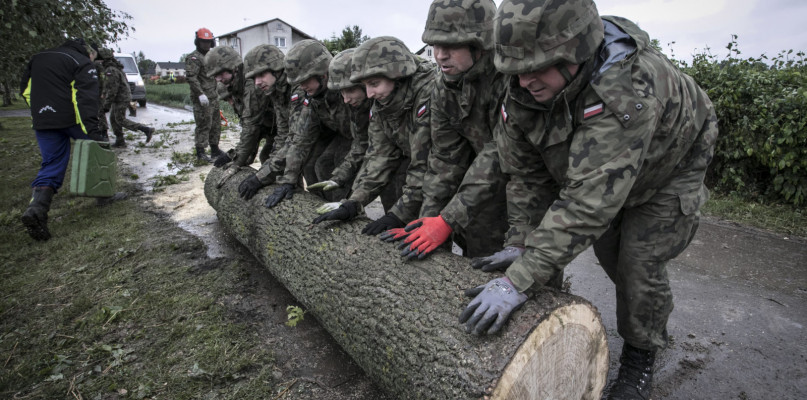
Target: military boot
148,131
635,379
201,156
119,141
215,151
132,110
35,218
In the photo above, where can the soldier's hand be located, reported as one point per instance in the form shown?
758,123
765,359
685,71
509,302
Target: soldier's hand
382,224
491,307
425,235
346,211
249,187
203,100
328,207
282,192
393,235
325,186
499,260
222,160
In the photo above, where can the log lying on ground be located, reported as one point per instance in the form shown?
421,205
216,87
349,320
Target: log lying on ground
399,320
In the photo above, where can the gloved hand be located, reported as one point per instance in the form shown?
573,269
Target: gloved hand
499,260
325,186
249,187
346,211
282,192
492,304
425,235
222,160
327,207
388,221
203,100
393,235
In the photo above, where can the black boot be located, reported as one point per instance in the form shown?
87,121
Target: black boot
35,218
119,141
201,156
148,131
132,110
215,151
635,379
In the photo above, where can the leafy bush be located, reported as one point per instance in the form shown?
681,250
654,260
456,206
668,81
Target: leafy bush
761,107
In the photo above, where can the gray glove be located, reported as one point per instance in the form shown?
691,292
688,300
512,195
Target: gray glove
499,260
325,186
491,306
203,100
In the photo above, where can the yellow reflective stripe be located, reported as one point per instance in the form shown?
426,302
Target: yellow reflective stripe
75,106
27,93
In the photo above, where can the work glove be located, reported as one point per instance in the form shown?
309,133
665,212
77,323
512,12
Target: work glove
282,192
492,304
325,186
499,260
328,207
222,160
249,187
393,235
425,235
388,221
203,100
346,211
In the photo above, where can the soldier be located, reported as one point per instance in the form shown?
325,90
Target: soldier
609,129
203,97
103,54
464,113
323,127
265,65
400,128
116,97
253,108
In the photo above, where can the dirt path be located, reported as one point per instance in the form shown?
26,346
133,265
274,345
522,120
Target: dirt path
737,331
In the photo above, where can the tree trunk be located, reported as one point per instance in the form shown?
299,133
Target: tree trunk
399,320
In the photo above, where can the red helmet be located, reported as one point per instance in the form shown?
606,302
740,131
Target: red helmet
204,33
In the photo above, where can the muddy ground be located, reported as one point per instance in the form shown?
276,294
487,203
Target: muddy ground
737,331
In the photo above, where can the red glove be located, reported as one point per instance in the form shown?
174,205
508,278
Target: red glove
425,235
393,235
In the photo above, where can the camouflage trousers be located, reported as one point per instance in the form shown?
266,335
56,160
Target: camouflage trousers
208,124
634,252
332,155
394,190
486,228
118,120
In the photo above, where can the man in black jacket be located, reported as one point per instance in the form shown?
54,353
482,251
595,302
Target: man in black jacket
61,87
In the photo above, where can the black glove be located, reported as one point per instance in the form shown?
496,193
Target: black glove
249,187
346,211
382,224
282,192
222,160
499,260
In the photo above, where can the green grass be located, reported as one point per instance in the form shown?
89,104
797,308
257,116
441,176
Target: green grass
177,95
779,218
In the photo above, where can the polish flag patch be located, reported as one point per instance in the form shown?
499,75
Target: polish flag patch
422,110
295,97
371,113
592,110
305,102
504,114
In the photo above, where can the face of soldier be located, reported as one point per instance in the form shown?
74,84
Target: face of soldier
204,46
378,87
310,85
453,60
225,77
265,81
353,95
545,83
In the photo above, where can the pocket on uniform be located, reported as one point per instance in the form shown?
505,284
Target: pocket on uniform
692,201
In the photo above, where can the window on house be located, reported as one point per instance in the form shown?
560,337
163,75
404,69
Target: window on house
280,42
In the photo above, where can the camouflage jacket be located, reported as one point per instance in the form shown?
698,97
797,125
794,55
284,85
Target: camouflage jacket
255,111
464,115
287,101
622,131
116,86
325,110
399,129
197,77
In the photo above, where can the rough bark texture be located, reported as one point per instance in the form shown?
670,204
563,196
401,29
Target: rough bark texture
399,320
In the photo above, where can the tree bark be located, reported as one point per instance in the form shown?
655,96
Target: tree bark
399,320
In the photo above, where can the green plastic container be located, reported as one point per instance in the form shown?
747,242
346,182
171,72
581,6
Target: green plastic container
94,170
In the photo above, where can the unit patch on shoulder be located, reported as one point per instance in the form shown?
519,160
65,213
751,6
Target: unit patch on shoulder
422,110
592,110
504,113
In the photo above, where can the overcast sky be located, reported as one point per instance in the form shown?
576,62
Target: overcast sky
164,30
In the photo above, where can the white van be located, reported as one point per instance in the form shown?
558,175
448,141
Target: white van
136,84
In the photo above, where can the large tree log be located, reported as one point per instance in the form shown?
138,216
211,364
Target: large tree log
399,320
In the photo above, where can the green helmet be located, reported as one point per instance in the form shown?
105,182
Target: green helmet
453,22
305,59
261,59
339,71
221,58
385,56
534,34
105,54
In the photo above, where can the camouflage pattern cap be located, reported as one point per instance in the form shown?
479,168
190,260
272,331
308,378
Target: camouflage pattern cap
305,59
339,71
382,56
454,22
220,59
531,35
261,59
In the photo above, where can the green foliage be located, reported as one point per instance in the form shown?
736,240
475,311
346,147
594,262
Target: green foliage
294,315
761,106
351,38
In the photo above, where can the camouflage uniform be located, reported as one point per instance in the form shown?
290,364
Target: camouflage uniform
616,160
207,118
328,139
400,129
117,97
103,54
464,114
